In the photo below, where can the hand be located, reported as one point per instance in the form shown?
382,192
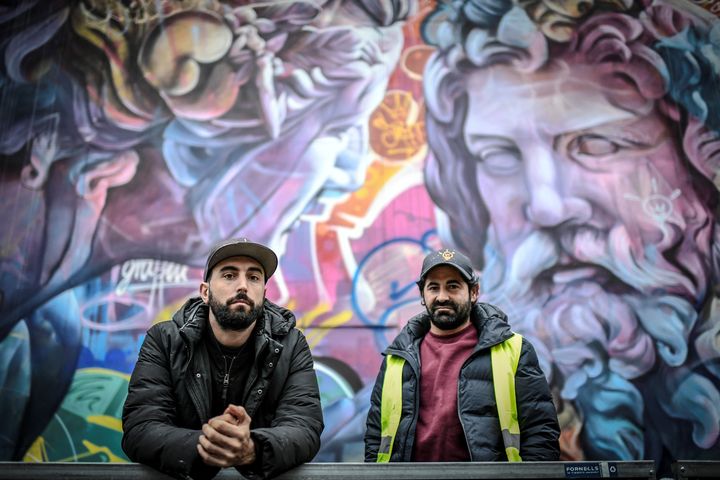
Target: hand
226,440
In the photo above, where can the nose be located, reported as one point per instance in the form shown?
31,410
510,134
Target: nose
241,285
442,295
552,200
548,207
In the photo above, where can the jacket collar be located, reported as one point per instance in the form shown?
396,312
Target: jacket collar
192,319
489,321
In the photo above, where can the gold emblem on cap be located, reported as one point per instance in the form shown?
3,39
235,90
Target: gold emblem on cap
447,254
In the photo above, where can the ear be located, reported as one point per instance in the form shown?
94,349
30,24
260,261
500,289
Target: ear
204,288
422,301
474,293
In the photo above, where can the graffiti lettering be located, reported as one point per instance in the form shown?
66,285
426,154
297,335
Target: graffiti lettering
150,272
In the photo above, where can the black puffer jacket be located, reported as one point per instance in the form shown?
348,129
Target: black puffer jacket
169,396
539,429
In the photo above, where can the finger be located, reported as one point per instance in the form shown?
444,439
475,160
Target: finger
228,428
225,417
216,450
225,435
210,459
239,432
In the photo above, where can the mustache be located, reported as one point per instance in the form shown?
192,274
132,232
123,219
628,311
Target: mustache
241,297
543,253
443,304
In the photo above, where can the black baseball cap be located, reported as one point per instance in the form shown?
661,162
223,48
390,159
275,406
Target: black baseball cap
449,257
237,247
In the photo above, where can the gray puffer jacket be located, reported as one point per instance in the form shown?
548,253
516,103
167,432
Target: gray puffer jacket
539,429
169,396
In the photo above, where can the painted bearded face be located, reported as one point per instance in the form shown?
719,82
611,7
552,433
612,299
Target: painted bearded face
598,244
562,162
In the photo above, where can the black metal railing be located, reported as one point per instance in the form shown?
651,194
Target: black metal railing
696,469
345,471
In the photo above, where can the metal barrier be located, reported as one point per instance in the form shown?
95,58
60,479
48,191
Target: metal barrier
344,471
692,469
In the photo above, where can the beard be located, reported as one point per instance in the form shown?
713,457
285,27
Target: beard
596,295
235,320
449,321
601,314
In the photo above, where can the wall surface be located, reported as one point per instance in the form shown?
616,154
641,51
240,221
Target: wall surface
570,148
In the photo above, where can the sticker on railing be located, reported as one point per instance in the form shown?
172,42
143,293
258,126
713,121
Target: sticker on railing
583,470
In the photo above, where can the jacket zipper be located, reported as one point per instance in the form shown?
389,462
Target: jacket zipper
226,378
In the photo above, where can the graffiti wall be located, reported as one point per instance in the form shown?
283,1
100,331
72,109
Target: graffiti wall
571,149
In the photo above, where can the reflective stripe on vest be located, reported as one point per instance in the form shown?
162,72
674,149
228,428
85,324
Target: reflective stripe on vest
504,358
390,406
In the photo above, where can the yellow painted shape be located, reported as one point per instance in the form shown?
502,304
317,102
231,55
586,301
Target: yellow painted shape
93,449
103,371
106,421
325,327
307,319
37,452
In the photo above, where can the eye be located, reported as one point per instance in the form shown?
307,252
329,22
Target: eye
595,145
255,278
228,275
594,151
500,161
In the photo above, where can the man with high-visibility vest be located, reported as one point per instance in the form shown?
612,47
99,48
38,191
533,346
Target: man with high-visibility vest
457,384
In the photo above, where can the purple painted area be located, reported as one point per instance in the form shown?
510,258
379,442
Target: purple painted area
572,152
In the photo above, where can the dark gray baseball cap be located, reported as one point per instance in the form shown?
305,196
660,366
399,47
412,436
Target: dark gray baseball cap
242,247
449,257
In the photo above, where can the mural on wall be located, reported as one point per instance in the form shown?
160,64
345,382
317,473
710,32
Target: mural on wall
575,154
573,150
137,134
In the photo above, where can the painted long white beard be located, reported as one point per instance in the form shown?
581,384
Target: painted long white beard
595,334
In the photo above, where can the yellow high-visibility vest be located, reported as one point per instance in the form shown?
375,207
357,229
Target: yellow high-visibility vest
504,358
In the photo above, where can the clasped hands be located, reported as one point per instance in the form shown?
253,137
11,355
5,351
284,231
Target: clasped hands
226,440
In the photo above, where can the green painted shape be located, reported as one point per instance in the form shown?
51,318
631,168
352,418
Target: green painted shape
70,436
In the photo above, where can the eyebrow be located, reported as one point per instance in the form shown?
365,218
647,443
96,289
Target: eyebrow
447,282
230,268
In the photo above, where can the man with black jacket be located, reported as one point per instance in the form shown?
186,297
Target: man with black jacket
228,381
457,384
